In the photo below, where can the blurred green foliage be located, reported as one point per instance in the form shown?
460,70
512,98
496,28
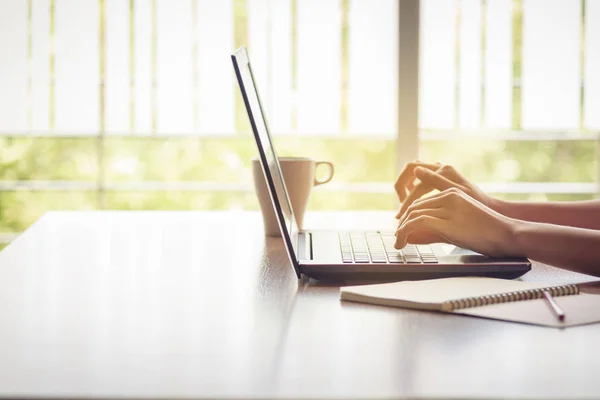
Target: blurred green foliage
227,160
518,161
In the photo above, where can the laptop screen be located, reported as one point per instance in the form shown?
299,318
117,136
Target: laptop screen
266,150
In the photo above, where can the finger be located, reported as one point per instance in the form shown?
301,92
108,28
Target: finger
431,212
421,223
435,201
451,173
407,175
425,237
434,179
418,191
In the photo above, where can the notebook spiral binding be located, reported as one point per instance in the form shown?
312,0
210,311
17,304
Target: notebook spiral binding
531,294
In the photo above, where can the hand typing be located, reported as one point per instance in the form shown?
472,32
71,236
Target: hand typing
452,216
433,177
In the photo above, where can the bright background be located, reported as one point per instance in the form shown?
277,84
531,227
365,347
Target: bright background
131,104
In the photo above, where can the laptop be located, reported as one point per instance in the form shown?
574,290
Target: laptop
354,256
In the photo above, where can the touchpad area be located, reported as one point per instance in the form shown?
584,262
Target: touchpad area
450,249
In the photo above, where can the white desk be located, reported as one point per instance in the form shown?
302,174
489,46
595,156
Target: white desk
198,305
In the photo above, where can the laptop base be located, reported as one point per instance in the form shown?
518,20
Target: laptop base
392,273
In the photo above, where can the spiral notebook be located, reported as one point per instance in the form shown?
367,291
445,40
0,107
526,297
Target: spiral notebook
484,297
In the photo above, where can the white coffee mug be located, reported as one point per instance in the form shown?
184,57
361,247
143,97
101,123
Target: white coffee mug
299,175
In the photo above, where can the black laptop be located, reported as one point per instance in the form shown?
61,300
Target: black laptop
357,255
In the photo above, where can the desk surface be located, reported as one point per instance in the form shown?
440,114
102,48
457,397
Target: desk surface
193,305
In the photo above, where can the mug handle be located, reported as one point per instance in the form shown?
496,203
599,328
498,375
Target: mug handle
329,177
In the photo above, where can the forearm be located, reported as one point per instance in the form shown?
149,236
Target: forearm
571,248
581,214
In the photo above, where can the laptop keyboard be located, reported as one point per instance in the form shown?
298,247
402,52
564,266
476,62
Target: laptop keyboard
373,247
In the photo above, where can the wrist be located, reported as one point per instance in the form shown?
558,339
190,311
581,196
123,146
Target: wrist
498,205
520,231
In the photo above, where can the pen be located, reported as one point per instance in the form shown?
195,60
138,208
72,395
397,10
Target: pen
560,314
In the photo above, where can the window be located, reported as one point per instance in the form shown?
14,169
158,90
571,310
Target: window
510,94
113,104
